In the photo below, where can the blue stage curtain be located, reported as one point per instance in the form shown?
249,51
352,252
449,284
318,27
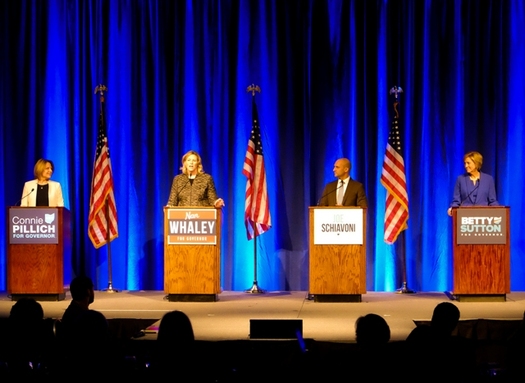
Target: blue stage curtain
177,73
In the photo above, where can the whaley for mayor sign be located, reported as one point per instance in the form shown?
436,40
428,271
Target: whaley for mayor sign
191,226
33,226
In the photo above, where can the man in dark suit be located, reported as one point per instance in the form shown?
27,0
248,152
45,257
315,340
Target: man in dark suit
344,191
82,295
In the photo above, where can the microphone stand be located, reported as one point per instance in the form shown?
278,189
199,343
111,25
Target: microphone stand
471,192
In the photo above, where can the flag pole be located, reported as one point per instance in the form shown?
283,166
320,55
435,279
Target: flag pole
110,288
404,287
401,244
100,89
255,289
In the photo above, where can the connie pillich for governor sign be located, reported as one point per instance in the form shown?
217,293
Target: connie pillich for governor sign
191,226
33,226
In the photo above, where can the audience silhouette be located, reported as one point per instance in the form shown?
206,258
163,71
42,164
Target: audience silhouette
373,360
28,340
435,353
516,355
432,352
82,295
89,346
175,346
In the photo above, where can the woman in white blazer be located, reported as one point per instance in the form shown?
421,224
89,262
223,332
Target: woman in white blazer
42,191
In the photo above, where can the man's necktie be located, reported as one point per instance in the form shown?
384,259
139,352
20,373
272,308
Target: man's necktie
340,192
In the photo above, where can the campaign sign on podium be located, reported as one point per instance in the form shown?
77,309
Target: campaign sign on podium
481,226
191,226
481,245
337,253
33,225
39,250
338,227
192,244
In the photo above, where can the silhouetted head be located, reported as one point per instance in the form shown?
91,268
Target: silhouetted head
371,330
81,287
175,327
445,318
26,310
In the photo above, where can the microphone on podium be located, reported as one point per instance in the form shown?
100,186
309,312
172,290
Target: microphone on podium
330,192
24,197
469,194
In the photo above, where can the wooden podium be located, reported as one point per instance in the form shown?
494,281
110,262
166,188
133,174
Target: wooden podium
192,262
337,254
481,245
38,242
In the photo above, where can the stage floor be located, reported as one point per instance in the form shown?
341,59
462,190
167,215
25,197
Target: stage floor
229,317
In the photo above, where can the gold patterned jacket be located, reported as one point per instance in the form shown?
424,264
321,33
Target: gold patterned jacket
200,192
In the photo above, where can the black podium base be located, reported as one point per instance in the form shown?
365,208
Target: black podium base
192,297
477,297
337,297
40,297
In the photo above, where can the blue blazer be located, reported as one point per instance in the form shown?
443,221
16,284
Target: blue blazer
483,193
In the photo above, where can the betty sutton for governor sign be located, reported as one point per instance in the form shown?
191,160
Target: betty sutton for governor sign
33,225
192,226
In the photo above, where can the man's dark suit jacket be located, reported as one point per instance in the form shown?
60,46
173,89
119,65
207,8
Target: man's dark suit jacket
354,195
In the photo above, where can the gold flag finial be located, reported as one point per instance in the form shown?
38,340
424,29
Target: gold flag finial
100,89
396,90
253,88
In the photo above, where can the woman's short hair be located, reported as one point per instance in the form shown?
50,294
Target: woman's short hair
200,169
476,157
41,165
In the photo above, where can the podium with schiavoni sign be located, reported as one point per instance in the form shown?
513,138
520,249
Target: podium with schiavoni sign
337,253
39,242
192,245
481,246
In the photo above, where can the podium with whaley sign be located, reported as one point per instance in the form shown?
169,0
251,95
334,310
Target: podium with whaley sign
337,253
192,262
481,245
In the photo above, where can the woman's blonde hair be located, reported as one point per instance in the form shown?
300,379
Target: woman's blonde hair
40,166
200,169
476,157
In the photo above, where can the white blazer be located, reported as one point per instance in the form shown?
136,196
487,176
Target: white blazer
30,189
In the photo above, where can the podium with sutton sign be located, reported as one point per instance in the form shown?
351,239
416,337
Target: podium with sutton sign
192,244
337,254
38,242
481,243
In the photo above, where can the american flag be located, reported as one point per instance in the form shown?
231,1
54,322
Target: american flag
102,189
393,179
256,207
